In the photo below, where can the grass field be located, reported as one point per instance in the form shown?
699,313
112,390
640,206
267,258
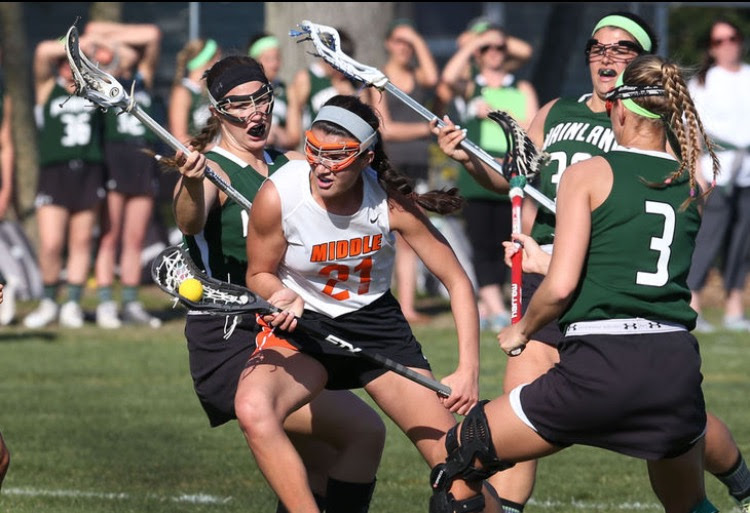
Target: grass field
106,421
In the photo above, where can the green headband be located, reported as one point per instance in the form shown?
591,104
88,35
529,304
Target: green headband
634,107
205,55
630,26
261,45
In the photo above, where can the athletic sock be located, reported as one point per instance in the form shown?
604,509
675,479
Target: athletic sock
50,292
319,500
104,293
737,479
75,292
510,506
129,294
346,497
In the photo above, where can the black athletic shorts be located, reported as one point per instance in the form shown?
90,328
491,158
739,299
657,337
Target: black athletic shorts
217,361
550,333
638,395
75,185
379,327
130,171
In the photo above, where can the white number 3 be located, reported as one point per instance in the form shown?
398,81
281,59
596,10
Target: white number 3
661,244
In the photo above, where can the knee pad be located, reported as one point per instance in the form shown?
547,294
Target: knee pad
475,444
444,502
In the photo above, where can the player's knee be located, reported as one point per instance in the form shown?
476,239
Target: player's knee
255,415
472,456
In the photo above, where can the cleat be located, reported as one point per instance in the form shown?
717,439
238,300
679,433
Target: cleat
43,315
71,315
106,316
134,313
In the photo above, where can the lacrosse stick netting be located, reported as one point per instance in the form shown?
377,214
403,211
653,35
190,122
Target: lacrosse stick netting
326,43
104,90
174,265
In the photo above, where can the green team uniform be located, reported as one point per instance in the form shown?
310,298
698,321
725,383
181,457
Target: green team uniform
641,246
124,127
572,133
70,128
280,105
220,248
199,104
321,90
488,134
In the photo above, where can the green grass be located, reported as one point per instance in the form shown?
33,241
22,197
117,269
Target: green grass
106,421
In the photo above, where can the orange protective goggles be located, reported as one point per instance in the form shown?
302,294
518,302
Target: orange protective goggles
335,157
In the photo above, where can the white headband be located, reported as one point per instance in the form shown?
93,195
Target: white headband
350,122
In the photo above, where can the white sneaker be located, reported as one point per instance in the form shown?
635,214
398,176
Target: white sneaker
703,326
71,315
744,505
106,316
738,323
134,313
44,314
8,306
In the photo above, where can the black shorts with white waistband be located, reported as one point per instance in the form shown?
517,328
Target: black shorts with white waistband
379,327
638,395
218,349
550,333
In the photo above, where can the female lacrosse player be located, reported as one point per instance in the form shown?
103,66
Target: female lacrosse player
70,185
629,378
346,439
130,53
321,246
612,46
488,214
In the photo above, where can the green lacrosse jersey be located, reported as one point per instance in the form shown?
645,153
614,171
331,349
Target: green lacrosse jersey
572,133
280,106
199,106
122,127
321,90
220,248
486,133
641,246
69,129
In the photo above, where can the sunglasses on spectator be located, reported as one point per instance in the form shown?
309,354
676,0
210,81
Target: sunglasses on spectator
734,39
499,48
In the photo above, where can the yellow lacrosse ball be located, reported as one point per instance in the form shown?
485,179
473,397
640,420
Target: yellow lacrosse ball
191,289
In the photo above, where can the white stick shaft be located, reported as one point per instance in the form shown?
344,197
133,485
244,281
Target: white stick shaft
176,145
468,145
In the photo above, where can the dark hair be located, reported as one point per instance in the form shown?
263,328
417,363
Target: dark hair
347,43
709,61
442,202
209,132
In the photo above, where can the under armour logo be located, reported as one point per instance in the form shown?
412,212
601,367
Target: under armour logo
627,326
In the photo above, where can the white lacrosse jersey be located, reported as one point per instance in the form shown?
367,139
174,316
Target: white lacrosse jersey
336,263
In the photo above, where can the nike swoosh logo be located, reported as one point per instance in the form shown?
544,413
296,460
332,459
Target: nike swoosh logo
374,220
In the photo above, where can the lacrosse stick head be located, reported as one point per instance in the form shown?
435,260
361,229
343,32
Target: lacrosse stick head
522,157
327,44
173,266
90,82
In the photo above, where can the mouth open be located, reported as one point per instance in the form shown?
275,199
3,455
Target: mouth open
607,72
257,130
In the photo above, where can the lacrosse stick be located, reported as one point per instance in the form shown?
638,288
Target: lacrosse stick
104,90
517,161
174,265
327,46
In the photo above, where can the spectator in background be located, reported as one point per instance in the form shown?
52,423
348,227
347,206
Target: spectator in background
70,188
314,86
488,214
725,229
265,49
130,52
407,135
8,306
188,101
